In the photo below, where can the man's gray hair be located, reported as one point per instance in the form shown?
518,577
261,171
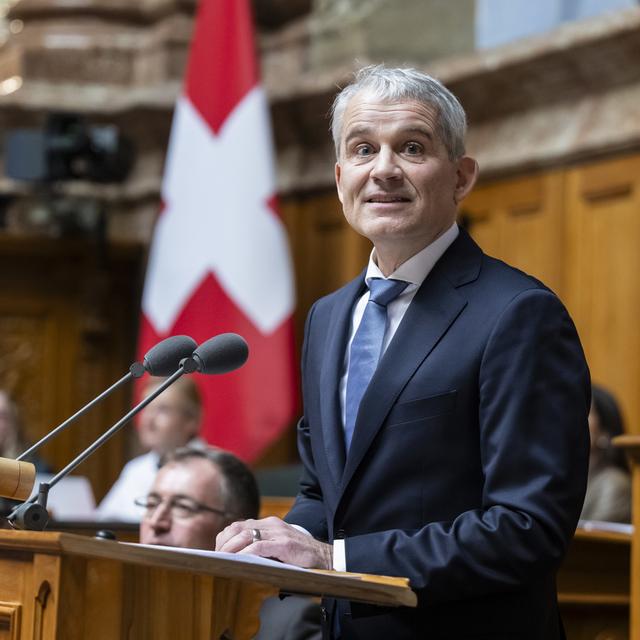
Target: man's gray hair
401,84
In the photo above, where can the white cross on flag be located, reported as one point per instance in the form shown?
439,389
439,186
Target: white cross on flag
219,257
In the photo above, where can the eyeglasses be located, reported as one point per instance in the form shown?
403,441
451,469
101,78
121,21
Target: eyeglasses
181,507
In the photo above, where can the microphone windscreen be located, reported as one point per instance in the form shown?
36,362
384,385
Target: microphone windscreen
16,478
164,359
221,354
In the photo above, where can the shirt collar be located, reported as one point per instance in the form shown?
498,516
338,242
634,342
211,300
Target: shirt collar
417,267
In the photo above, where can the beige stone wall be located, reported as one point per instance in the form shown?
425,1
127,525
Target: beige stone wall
566,95
389,30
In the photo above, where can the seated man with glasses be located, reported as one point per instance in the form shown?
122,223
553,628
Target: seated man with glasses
195,495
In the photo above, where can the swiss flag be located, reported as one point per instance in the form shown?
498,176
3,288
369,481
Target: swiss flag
219,257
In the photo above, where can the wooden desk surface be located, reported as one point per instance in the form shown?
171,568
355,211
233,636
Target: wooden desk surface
593,581
381,590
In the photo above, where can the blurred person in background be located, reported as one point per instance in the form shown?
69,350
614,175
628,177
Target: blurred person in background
171,421
12,439
609,484
196,494
13,442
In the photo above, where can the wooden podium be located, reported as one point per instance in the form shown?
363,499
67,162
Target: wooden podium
630,443
599,582
593,586
69,587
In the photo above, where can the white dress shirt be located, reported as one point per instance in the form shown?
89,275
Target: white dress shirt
414,271
134,481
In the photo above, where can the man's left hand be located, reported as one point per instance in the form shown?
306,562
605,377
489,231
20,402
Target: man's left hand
273,538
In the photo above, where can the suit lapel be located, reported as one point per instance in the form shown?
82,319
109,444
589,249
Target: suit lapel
432,311
331,373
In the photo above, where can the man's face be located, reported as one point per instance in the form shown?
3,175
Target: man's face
191,481
166,423
394,178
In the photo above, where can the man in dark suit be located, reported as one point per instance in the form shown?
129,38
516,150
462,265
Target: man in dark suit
446,395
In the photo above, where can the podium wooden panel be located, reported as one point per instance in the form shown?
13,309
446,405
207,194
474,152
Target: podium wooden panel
593,586
631,445
63,586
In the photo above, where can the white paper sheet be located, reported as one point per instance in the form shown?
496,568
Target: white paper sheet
600,525
235,557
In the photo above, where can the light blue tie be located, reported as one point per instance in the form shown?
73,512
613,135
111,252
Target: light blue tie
366,347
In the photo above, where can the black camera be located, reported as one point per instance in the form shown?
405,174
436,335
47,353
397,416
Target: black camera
68,149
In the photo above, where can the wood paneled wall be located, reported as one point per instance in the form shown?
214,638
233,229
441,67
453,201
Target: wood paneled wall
68,315
603,273
521,221
68,321
327,253
578,230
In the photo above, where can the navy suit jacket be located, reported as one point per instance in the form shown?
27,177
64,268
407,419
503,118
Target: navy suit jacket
468,464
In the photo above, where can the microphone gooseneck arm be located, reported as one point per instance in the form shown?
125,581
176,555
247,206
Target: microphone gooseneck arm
220,354
34,447
161,360
81,457
32,513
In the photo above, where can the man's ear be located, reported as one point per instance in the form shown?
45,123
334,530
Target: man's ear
467,174
338,171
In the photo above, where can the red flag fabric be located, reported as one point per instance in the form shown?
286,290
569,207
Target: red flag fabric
219,258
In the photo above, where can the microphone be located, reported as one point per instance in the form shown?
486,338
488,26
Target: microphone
219,354
161,360
17,477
